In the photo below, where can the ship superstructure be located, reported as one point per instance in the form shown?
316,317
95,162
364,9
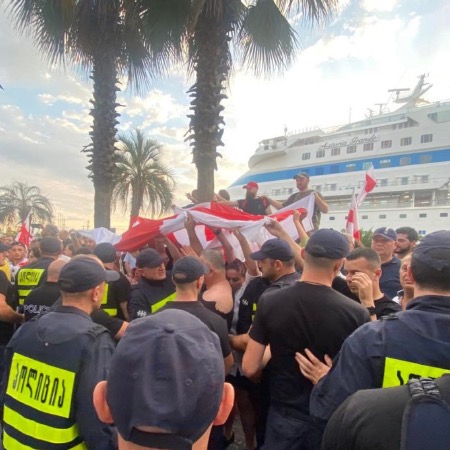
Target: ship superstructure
409,149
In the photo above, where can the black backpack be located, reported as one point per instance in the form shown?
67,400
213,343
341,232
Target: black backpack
426,418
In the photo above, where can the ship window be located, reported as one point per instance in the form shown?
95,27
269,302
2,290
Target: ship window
306,156
291,191
276,191
383,182
443,215
405,161
402,180
319,170
403,216
382,216
266,147
365,217
426,138
350,167
351,149
332,186
334,168
386,144
385,163
320,154
405,141
368,147
423,215
331,217
366,165
441,116
424,178
424,159
335,151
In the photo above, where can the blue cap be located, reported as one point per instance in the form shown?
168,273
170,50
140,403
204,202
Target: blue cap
188,269
149,258
327,243
274,249
387,233
166,372
439,240
82,274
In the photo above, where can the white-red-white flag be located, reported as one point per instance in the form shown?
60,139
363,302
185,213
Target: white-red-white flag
369,185
352,225
24,235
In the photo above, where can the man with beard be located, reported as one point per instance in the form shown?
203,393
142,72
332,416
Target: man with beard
251,204
407,239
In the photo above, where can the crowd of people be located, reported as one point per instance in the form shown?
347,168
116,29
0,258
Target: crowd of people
312,343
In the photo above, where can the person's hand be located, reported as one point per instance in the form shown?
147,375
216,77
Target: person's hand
189,223
364,285
187,250
311,367
299,216
275,228
237,232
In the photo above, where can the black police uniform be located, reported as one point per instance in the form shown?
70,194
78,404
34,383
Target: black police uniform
31,276
409,344
53,364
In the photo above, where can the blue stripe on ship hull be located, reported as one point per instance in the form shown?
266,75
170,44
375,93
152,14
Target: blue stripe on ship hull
420,158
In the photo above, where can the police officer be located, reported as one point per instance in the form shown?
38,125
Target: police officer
52,366
155,287
35,274
115,298
409,344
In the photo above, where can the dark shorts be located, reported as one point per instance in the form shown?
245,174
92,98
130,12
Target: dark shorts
240,381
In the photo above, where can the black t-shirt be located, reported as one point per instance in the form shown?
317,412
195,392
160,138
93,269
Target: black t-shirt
118,293
301,316
385,306
6,289
100,317
41,300
210,319
256,206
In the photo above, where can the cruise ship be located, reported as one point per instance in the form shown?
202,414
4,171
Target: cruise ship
409,149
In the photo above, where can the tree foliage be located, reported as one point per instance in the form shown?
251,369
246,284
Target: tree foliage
18,199
141,181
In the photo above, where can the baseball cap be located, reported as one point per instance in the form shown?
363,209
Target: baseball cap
327,243
188,269
301,175
274,249
4,247
388,233
251,184
50,244
149,258
433,241
80,275
105,252
171,367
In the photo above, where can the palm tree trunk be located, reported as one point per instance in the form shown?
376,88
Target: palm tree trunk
212,65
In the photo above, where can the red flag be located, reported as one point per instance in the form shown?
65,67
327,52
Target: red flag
24,235
352,225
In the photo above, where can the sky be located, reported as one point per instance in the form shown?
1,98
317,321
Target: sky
343,67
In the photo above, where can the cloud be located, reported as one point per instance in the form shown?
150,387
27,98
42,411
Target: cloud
379,5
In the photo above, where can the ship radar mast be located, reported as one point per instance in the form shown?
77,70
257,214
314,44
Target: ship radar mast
415,96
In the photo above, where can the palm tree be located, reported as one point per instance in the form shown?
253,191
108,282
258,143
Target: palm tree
103,37
140,178
262,37
19,199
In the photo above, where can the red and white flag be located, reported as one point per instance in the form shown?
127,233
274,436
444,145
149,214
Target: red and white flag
369,185
225,217
352,225
24,235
